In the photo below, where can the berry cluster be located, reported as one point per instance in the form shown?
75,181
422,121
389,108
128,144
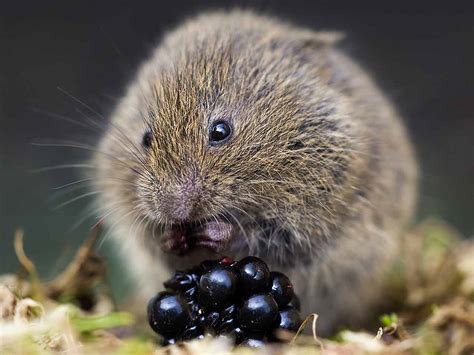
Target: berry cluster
242,299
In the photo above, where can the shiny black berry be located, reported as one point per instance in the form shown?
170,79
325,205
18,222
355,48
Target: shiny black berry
190,294
168,341
192,332
181,281
205,266
195,309
258,313
226,326
195,274
229,312
237,334
211,320
168,314
227,320
289,319
281,288
217,287
254,275
295,303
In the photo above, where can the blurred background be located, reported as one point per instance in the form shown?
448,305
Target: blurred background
56,54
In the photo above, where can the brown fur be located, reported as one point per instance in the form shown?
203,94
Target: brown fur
318,177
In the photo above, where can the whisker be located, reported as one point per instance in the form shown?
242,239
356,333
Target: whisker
91,193
108,179
62,166
80,102
60,193
244,232
85,215
112,228
72,183
67,119
75,145
136,153
95,211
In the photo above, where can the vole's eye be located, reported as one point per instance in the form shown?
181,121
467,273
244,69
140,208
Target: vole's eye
219,132
146,140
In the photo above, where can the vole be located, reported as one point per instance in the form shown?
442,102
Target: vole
245,135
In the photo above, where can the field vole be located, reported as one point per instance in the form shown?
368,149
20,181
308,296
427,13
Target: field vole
243,135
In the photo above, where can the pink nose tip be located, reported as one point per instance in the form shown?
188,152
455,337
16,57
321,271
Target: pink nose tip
180,210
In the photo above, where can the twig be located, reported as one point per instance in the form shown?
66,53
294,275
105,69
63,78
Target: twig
62,282
27,264
314,318
380,332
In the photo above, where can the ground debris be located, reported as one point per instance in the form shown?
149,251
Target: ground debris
431,293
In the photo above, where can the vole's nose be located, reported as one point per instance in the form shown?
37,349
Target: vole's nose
182,204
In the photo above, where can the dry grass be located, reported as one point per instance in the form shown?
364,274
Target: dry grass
432,292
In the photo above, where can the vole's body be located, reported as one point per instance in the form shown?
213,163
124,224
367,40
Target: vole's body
317,178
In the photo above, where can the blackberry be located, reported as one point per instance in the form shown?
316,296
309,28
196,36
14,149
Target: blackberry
192,332
237,334
168,314
258,313
281,288
217,287
295,303
210,320
242,300
254,274
289,319
180,282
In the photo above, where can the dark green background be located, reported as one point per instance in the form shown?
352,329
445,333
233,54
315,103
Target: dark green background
422,54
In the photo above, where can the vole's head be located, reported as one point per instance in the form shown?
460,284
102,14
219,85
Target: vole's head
226,138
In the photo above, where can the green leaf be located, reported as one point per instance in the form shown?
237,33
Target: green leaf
86,324
388,320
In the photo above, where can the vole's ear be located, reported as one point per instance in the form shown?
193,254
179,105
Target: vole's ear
317,42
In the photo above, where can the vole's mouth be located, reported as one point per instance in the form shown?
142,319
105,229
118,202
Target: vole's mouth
182,238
